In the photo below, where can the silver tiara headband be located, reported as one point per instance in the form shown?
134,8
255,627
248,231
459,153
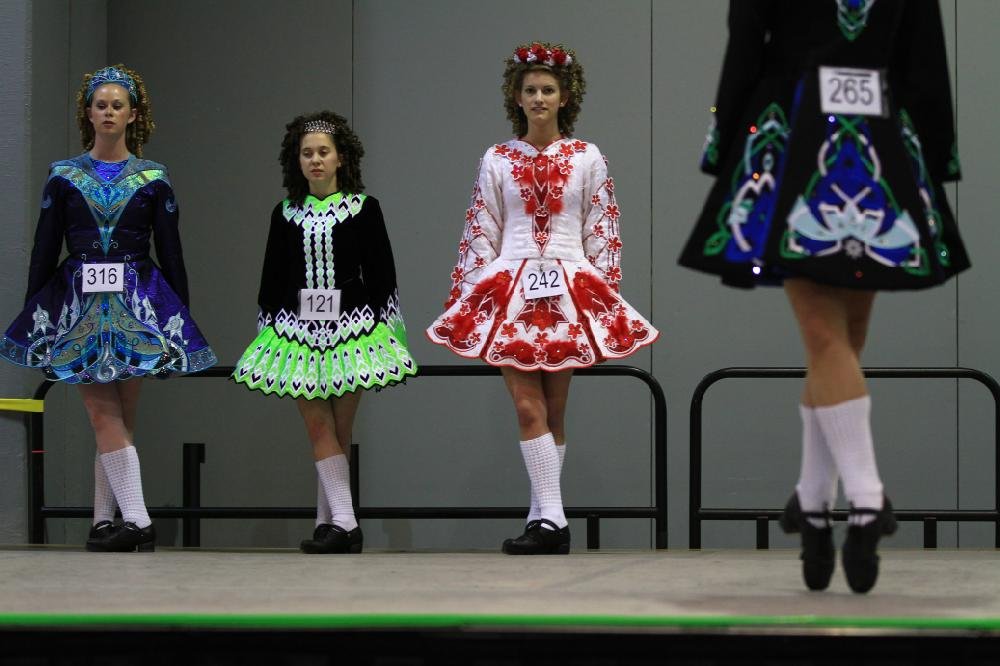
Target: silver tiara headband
319,126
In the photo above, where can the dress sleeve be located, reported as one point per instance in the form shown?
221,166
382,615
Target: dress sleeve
924,88
483,232
602,243
741,68
167,239
274,272
377,266
49,236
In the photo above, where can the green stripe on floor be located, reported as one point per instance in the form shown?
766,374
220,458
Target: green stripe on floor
446,621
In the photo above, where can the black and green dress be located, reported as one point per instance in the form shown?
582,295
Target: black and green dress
337,243
842,199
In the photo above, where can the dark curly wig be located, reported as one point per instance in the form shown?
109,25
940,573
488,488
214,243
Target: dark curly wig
138,131
348,149
570,79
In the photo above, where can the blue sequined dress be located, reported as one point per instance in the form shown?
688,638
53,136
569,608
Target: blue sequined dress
107,213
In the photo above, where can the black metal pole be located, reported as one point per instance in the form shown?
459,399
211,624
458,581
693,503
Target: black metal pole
697,512
192,511
36,469
194,456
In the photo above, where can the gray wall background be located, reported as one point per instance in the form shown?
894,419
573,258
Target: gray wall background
420,83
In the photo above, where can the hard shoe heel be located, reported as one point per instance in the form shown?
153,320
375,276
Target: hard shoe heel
562,549
355,548
146,547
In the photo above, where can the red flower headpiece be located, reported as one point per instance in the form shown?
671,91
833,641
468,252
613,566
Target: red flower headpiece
554,57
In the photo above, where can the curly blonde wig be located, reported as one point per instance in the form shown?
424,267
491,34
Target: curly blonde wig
137,133
349,150
569,75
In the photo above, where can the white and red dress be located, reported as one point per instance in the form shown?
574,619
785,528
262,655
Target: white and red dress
541,210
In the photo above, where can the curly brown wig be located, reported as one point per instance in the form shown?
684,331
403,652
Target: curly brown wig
570,79
138,131
348,149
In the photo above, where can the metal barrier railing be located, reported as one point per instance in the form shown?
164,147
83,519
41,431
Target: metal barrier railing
194,454
930,518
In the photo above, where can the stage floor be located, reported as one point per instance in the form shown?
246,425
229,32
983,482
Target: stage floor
922,591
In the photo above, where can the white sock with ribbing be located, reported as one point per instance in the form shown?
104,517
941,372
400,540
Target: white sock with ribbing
335,476
323,514
534,513
122,468
847,429
817,486
104,497
542,462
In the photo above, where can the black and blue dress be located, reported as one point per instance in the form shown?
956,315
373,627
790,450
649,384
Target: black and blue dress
844,199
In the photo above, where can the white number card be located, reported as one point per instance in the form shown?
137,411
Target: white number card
541,281
319,304
851,91
102,278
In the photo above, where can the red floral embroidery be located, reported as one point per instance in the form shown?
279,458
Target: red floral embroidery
609,185
595,200
614,244
540,355
613,274
516,155
575,330
567,149
612,212
480,262
501,149
457,274
599,230
565,168
556,192
579,146
541,338
480,318
541,238
480,204
476,230
508,330
463,246
526,194
517,172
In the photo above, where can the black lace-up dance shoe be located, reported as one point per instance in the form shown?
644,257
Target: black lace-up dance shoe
538,540
98,531
858,554
125,539
329,538
818,557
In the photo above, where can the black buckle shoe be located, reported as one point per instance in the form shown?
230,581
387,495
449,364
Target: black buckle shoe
125,539
329,538
538,540
818,558
858,554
